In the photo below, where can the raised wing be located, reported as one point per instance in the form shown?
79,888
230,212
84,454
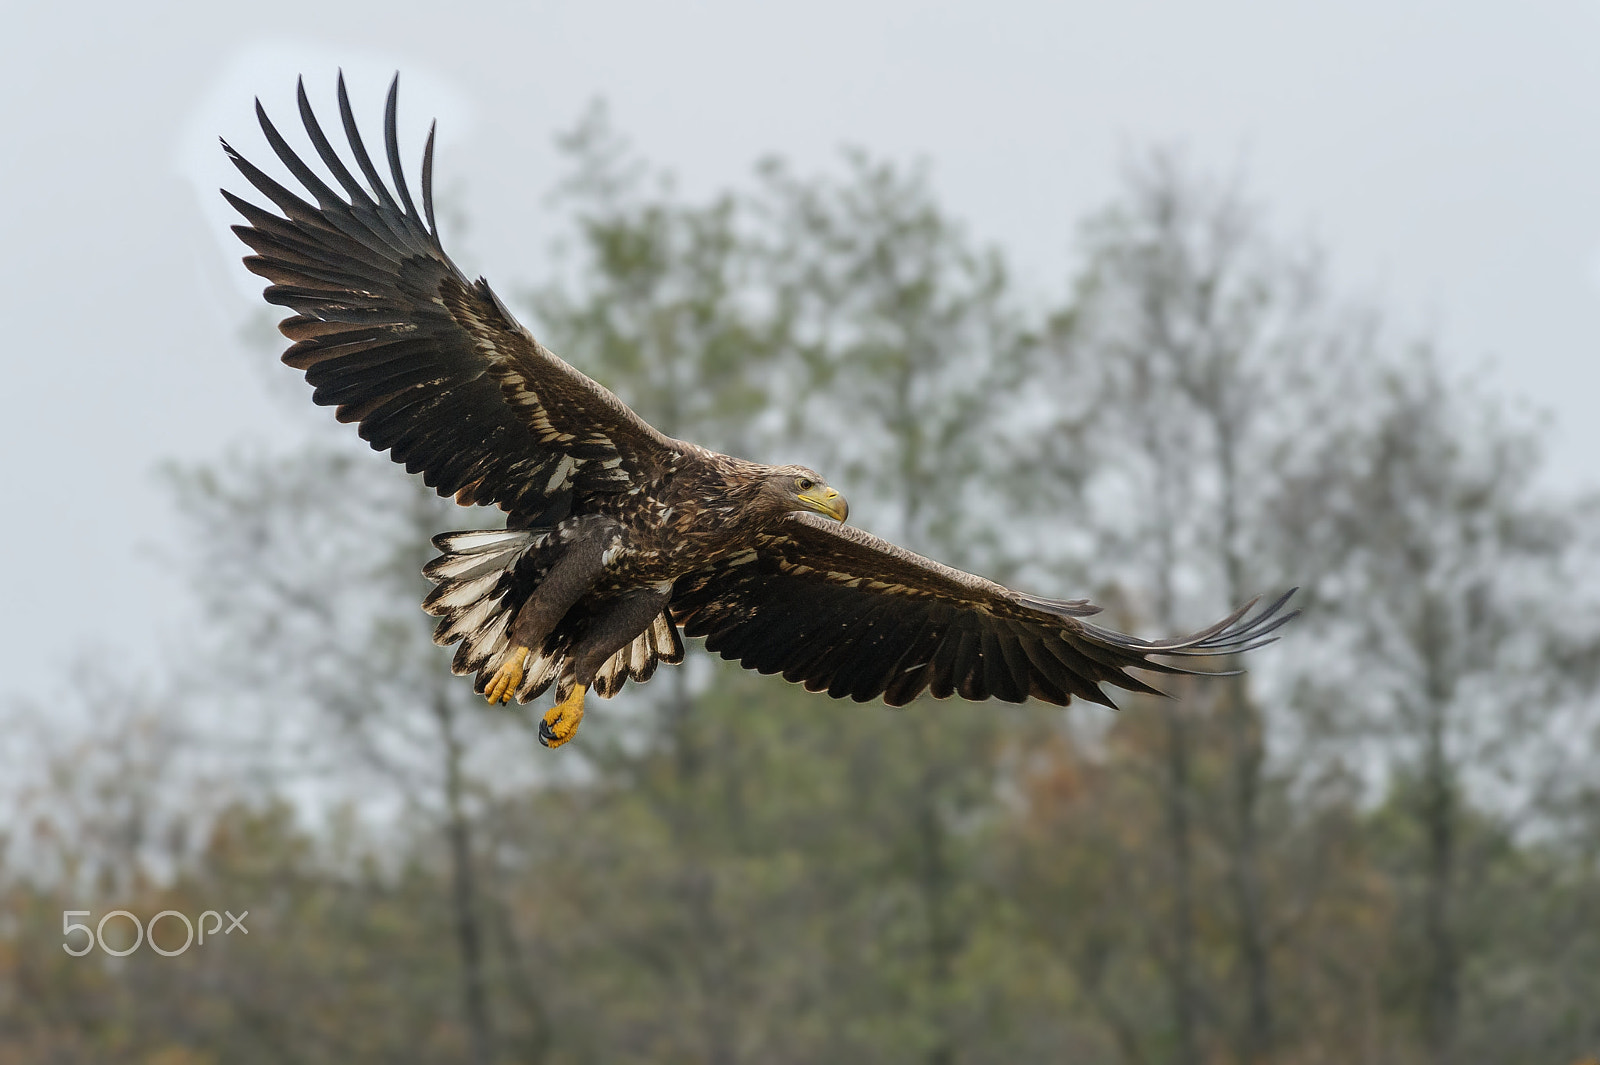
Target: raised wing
431,366
842,611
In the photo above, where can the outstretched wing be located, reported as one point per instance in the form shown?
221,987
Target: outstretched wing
845,612
431,366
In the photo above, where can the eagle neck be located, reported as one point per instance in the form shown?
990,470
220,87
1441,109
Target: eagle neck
746,495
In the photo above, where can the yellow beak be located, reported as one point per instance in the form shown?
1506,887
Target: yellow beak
826,501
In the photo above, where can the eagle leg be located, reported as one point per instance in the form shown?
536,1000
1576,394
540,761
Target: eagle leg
508,678
626,617
560,722
569,579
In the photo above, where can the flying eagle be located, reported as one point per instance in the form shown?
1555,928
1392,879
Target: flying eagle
618,538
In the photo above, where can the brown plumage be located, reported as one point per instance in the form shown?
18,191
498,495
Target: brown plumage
616,535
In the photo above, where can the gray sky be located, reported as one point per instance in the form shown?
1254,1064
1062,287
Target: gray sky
1445,154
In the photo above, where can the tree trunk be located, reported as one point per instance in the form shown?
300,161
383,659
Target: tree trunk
469,936
1180,838
935,883
1247,759
1441,982
1244,875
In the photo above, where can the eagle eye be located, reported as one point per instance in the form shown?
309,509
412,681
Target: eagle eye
806,484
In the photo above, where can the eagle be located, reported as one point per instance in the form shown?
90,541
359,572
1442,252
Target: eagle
620,540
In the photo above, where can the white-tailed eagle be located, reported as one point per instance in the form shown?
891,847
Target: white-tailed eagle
619,538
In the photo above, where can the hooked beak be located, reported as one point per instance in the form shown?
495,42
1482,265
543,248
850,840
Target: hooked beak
826,501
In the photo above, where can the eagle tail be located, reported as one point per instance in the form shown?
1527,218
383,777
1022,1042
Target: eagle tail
475,600
637,660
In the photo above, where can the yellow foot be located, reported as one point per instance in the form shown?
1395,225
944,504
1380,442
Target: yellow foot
503,685
560,722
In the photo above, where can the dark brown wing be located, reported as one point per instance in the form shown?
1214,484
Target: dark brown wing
432,367
842,611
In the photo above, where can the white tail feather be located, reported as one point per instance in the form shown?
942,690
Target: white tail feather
639,656
472,597
608,679
470,620
464,543
458,595
664,641
466,567
541,670
487,642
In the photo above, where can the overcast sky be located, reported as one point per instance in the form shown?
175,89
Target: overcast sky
1444,154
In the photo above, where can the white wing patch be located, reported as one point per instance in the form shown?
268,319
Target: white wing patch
563,474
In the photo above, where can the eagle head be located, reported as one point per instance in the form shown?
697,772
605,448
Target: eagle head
791,488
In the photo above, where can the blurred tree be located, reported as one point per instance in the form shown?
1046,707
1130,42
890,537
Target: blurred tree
839,310
1477,665
658,305
311,567
657,309
1194,352
907,353
1380,846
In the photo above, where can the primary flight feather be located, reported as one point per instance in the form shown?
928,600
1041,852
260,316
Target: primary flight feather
617,536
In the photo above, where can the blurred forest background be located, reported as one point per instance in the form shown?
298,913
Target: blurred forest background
1381,845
